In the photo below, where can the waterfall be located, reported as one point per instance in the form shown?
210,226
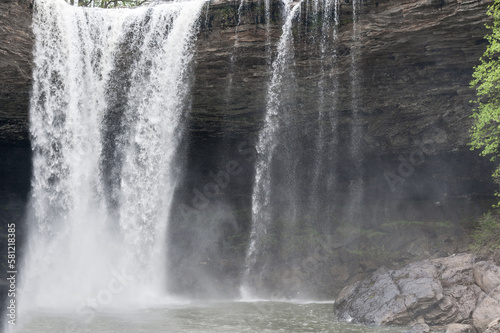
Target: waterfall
355,195
324,171
296,198
267,142
106,120
267,9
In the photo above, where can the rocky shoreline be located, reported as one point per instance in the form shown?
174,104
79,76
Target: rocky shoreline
461,292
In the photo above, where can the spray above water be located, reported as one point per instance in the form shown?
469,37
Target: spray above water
106,121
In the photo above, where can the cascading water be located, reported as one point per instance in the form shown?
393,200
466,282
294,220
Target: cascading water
324,173
296,197
106,120
355,195
261,213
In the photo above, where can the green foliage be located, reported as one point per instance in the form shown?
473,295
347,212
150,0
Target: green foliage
402,223
294,241
385,243
375,253
485,133
350,231
226,16
299,242
416,224
236,244
109,3
486,235
387,229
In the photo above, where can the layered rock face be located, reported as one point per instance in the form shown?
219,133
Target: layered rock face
16,44
412,61
443,291
415,59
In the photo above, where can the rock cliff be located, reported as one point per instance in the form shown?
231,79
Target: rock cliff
16,44
415,59
413,62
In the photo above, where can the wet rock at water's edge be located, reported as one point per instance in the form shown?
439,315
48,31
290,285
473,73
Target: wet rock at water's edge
443,291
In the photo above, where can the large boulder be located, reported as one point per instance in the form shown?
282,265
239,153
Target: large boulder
460,328
488,309
487,276
379,301
439,292
419,328
494,326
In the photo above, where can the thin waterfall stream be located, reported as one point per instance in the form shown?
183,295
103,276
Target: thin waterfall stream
356,132
261,214
289,198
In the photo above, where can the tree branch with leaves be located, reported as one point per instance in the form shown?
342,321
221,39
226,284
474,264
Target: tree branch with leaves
485,133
